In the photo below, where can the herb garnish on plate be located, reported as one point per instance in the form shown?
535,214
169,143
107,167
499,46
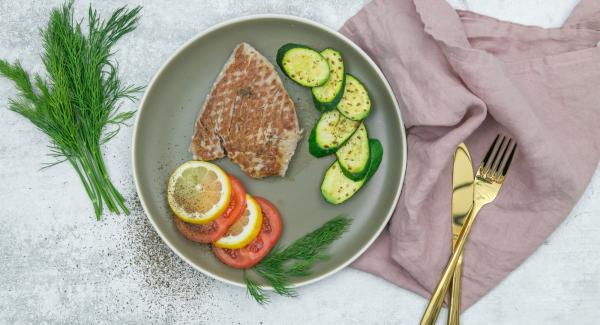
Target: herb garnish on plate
295,260
76,104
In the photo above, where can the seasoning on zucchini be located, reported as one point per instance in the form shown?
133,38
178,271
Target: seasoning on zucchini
303,65
353,156
331,131
327,96
337,188
355,103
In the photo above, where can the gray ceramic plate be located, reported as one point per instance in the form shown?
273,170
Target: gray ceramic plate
165,124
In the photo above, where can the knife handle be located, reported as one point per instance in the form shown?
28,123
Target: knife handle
437,299
454,309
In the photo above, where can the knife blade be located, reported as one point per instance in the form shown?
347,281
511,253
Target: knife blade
462,189
462,202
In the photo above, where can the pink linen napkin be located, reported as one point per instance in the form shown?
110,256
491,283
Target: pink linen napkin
463,76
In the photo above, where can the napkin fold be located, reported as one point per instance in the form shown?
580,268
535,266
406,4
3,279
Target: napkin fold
459,77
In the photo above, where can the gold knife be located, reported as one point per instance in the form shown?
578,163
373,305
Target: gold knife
462,202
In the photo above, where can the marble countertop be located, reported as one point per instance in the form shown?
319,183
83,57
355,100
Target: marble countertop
58,265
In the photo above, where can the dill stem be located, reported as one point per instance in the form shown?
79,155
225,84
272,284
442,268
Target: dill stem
112,190
86,184
99,175
92,172
90,175
99,180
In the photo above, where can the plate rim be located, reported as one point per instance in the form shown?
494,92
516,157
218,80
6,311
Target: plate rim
292,19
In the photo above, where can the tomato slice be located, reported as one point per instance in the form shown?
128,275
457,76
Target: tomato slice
211,232
247,257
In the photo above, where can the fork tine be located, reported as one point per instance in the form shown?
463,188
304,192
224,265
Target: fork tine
489,153
494,161
491,161
498,167
509,160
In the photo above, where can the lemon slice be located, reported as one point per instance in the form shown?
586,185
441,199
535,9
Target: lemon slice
198,192
243,231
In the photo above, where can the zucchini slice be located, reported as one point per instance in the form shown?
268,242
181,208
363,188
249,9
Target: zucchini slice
327,97
376,154
355,103
353,156
331,131
303,65
337,188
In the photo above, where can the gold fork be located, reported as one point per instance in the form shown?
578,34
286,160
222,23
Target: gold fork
490,176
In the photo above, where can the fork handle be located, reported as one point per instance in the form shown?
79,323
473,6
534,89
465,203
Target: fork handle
454,302
435,304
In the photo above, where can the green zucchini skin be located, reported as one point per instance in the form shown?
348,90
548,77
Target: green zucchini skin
337,188
337,82
356,102
376,156
320,63
328,106
334,126
283,49
314,148
354,156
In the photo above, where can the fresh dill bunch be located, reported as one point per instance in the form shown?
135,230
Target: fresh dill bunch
77,104
296,260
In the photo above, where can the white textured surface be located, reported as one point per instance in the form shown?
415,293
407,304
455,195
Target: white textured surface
58,265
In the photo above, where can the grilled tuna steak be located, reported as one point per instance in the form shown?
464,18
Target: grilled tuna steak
248,116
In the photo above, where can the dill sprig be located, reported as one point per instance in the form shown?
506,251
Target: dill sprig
255,290
77,104
296,260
